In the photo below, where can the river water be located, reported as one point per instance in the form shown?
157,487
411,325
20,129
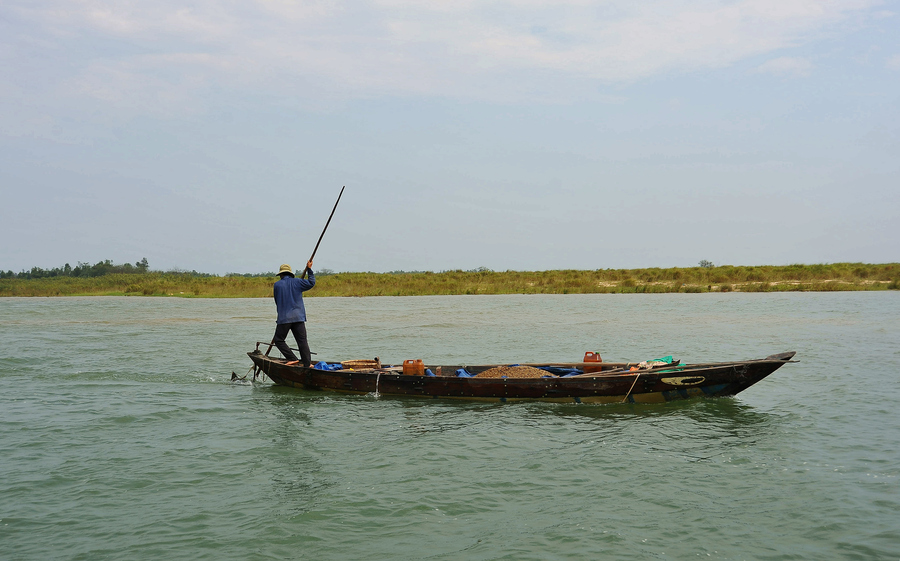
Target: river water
121,436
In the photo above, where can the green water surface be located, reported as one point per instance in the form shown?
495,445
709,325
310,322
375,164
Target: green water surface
121,436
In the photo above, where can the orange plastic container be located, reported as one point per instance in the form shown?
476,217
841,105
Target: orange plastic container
592,357
414,367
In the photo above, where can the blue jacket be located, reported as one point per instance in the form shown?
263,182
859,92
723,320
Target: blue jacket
288,294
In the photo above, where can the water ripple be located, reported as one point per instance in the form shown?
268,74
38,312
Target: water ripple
121,436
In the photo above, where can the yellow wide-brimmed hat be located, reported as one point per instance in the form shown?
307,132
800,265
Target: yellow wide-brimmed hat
286,269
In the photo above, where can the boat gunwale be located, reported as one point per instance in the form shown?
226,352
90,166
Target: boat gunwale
664,383
613,373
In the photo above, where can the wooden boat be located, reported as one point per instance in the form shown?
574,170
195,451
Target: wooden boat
608,383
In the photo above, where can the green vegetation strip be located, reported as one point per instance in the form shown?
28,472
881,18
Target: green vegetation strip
790,278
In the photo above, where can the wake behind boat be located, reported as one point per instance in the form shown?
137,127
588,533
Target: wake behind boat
582,382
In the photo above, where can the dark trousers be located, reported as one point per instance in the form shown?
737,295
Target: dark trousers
299,331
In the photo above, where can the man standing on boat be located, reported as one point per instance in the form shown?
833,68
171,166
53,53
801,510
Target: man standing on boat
288,294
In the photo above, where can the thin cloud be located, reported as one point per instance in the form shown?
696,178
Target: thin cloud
893,62
787,66
500,50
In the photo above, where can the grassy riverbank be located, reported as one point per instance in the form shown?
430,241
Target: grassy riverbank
831,277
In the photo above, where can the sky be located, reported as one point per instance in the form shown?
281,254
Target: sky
514,135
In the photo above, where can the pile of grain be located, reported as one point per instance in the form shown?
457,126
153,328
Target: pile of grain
513,372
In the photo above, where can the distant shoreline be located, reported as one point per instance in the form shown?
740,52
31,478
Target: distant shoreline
788,278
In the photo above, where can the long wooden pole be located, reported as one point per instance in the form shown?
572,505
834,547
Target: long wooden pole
306,270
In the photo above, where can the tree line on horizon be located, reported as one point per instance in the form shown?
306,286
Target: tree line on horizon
107,267
82,270
711,272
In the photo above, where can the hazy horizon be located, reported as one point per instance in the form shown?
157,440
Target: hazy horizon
327,271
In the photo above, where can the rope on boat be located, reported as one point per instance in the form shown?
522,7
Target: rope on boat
258,343
235,378
632,387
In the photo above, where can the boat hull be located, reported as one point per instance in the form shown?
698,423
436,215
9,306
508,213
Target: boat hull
654,386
